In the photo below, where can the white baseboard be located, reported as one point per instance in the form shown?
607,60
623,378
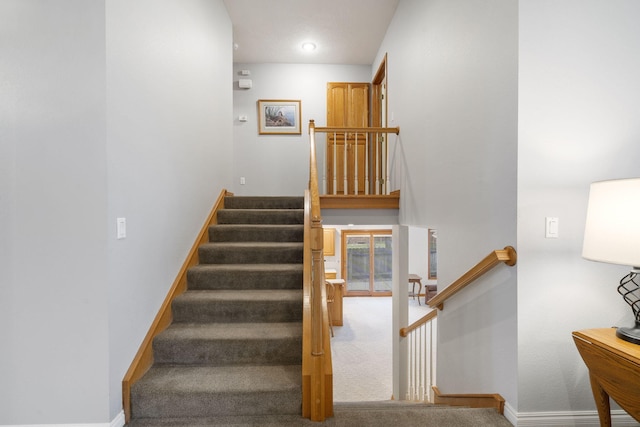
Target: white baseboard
118,421
510,414
568,419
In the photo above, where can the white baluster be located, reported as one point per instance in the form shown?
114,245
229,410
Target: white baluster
355,162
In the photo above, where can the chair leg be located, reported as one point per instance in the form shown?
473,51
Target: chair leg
329,309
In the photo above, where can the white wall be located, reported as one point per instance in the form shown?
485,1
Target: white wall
53,208
108,109
452,89
279,164
578,107
419,254
169,129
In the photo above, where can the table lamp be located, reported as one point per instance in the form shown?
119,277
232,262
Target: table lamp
612,235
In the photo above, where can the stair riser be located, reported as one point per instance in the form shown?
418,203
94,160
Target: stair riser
256,233
177,405
236,311
252,202
231,216
240,280
228,352
250,255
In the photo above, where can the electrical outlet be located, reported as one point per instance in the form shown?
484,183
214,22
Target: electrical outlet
242,180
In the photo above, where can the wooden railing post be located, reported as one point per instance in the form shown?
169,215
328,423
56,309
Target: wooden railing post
317,376
317,350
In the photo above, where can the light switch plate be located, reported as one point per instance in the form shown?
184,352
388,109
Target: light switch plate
121,228
551,227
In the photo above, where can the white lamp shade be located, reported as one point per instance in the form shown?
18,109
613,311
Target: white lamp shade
612,231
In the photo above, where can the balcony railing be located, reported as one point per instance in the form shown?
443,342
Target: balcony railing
355,160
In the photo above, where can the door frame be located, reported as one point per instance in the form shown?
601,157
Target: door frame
379,113
378,88
343,260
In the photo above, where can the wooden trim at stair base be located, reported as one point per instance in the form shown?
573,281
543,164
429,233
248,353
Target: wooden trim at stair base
144,357
470,400
361,201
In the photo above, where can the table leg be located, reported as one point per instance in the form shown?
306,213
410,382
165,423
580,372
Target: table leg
602,402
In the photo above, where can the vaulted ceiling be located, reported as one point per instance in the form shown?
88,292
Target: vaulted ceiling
344,31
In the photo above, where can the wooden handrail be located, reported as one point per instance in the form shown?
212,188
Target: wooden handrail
144,357
415,325
395,130
507,255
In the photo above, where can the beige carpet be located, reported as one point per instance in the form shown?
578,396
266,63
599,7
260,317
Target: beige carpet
361,349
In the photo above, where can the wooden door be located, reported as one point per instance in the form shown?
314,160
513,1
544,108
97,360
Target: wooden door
347,106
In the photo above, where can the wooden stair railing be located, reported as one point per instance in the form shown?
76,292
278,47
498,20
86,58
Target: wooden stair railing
421,357
317,370
375,175
404,332
507,255
144,357
426,373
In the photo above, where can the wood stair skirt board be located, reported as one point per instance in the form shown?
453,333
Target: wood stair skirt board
470,400
229,342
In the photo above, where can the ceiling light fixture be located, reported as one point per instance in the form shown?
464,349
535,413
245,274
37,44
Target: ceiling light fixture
308,46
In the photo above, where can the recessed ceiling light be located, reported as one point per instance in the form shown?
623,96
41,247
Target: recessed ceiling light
308,46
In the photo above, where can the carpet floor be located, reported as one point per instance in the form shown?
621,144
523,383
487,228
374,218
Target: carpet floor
362,414
361,349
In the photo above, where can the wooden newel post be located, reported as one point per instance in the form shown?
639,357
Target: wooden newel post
318,403
317,350
317,280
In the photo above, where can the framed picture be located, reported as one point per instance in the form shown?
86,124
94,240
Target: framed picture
279,117
433,254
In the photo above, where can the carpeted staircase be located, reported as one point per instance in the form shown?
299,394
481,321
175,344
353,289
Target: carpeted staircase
234,348
233,354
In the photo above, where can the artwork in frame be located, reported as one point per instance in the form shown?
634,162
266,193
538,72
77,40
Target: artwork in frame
279,117
432,260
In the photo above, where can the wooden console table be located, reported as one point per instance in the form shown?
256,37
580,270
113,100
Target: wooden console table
336,306
614,370
413,280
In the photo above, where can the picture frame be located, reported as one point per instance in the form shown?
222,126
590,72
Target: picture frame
279,117
432,257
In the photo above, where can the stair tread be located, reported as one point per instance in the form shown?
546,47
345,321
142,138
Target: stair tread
253,244
264,202
260,226
221,379
232,331
267,210
243,295
248,267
